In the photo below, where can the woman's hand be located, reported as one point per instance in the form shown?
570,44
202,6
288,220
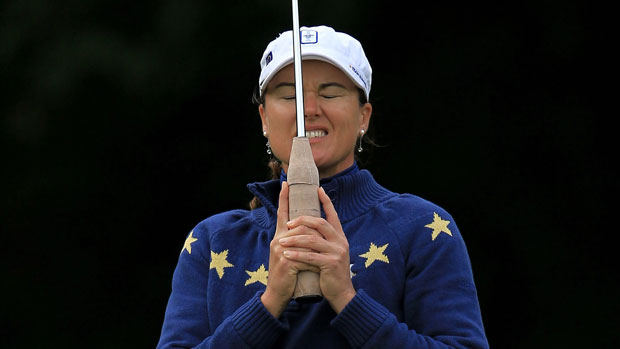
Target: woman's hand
327,251
282,270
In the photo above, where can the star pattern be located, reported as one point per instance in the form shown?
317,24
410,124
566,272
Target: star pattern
439,226
260,275
188,243
375,254
219,262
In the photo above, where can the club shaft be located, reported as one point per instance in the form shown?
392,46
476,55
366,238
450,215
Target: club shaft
299,93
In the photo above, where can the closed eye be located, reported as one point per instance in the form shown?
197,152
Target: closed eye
332,90
329,96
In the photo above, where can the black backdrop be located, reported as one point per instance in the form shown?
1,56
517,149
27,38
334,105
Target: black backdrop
123,124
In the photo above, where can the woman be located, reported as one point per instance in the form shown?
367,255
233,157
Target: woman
394,269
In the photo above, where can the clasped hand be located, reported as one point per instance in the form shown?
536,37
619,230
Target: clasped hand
308,243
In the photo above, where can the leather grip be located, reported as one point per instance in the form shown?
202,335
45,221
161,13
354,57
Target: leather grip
303,200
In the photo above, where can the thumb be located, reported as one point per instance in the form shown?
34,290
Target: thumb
283,205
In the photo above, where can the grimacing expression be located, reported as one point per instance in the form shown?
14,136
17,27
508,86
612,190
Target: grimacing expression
333,115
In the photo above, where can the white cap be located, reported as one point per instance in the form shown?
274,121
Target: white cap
322,43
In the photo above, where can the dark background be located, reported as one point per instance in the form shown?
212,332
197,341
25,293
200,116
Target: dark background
123,124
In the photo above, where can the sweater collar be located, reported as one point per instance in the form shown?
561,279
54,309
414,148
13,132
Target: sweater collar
352,191
351,170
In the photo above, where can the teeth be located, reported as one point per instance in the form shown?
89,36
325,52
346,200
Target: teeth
315,133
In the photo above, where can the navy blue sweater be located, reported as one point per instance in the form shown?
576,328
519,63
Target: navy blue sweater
409,266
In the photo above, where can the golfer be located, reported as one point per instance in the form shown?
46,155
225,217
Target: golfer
393,268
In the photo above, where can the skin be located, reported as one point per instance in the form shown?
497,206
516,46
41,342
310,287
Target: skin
331,104
316,244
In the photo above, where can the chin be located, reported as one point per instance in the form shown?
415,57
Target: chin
319,160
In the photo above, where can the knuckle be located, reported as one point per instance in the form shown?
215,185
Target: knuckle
341,253
277,250
332,261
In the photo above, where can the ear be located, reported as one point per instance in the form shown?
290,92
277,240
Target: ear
366,113
263,117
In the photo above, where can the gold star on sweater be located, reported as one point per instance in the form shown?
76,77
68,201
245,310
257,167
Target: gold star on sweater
188,243
438,225
219,262
375,254
260,275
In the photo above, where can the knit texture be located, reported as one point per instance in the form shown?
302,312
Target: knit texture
409,266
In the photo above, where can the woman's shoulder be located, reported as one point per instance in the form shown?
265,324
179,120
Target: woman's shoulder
411,216
411,207
227,220
404,206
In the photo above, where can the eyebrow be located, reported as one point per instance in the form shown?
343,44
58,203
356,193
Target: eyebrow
330,84
284,84
321,86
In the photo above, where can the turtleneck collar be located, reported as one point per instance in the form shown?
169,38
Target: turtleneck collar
351,170
352,191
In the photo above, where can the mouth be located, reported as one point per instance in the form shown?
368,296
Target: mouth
316,134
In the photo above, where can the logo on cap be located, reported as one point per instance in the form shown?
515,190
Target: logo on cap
269,58
309,36
359,75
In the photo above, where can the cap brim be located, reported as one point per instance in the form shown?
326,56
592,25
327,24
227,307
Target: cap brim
315,56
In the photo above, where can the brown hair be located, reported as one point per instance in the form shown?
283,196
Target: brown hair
275,166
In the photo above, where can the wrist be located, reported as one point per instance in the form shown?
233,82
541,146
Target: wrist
339,304
273,305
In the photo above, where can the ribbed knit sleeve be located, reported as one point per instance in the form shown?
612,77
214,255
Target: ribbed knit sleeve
360,319
256,325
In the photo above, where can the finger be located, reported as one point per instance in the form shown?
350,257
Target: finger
325,228
308,243
330,211
307,224
283,205
301,230
295,248
298,231
311,261
297,264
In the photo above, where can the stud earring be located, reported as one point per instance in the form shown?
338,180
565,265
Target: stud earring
360,149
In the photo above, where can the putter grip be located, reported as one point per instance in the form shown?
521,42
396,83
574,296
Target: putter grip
303,200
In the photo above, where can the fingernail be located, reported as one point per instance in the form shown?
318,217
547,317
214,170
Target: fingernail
287,253
283,240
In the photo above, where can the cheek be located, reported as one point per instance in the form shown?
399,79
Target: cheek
351,123
353,127
279,122
279,114
281,128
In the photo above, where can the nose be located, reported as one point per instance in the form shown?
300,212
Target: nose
311,105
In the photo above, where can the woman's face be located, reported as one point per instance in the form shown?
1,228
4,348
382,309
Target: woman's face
334,117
